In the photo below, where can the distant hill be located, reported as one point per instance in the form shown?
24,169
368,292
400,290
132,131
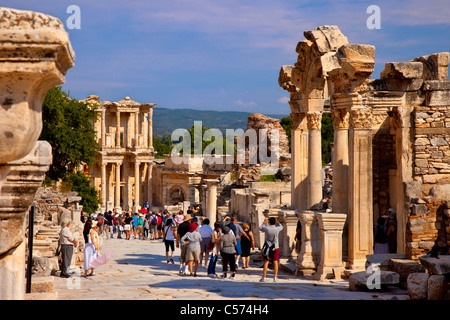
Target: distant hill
165,120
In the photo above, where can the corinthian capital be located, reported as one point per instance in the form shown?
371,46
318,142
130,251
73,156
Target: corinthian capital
314,120
341,119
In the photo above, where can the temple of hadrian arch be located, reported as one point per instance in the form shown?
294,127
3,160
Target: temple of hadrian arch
391,145
123,166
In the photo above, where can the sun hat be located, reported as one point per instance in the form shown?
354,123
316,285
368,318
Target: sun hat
187,217
65,221
94,224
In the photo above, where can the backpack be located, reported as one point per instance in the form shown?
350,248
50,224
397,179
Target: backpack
154,220
268,250
380,234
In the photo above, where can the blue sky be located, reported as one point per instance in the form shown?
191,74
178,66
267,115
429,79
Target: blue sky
225,54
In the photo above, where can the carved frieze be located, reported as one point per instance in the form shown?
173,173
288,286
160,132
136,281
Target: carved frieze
361,118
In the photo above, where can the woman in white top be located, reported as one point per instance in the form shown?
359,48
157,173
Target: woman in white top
91,248
169,238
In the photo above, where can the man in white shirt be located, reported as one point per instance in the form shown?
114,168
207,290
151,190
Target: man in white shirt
205,231
67,242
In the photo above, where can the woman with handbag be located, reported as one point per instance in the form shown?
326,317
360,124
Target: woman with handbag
247,243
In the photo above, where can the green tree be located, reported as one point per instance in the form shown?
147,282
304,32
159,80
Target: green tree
67,126
162,145
80,183
286,123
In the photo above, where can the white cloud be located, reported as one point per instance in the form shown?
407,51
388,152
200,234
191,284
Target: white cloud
283,100
245,104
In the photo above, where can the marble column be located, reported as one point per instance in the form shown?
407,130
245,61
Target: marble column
136,130
360,188
103,128
315,192
331,227
117,194
137,189
150,183
104,200
150,128
340,169
211,200
299,151
118,129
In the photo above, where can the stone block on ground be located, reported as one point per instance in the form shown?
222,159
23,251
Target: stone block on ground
42,284
417,284
404,268
439,266
360,281
437,287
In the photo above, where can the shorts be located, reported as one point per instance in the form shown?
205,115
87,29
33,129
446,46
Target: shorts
153,229
193,255
169,244
238,247
276,255
140,229
204,245
127,227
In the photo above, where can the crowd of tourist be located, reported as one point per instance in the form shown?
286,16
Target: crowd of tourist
199,245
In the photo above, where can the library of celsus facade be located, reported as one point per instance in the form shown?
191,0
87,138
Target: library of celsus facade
391,146
123,167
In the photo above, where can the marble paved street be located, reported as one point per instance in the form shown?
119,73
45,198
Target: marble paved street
138,271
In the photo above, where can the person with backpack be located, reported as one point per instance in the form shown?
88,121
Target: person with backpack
153,226
272,253
380,237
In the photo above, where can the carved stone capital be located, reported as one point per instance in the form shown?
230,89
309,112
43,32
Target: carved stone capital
341,119
314,120
35,54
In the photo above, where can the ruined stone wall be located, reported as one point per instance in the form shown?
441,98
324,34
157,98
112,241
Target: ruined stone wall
428,223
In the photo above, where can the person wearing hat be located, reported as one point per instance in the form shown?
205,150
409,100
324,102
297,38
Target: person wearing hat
193,240
182,229
67,242
91,248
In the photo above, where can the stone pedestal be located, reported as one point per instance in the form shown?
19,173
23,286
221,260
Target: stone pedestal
331,226
287,235
309,256
35,54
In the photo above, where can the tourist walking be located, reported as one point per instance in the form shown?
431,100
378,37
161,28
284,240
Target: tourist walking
91,248
134,225
271,231
109,224
215,239
237,230
193,240
120,223
227,252
179,217
205,232
140,226
146,226
127,227
247,244
153,223
67,242
182,229
169,238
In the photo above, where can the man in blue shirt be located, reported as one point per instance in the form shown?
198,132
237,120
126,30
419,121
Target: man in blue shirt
134,223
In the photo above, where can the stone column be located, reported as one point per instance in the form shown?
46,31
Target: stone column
103,127
315,158
35,55
117,195
136,129
150,183
211,200
104,200
299,151
309,255
150,128
136,186
331,226
360,188
117,129
340,169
